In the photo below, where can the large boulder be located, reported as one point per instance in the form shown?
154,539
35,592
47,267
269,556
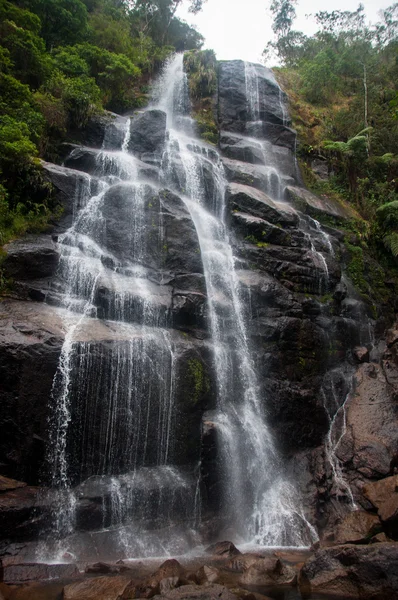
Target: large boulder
383,495
32,257
358,527
148,134
316,206
363,572
223,549
255,202
268,571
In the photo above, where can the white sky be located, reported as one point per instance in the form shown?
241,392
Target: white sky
242,28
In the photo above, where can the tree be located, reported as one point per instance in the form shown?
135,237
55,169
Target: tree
62,21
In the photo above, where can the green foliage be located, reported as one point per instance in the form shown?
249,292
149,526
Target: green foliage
387,217
62,21
15,145
197,378
201,68
61,61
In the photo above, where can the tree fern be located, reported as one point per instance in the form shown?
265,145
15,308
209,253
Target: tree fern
390,241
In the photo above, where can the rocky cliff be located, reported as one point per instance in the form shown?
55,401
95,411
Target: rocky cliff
328,374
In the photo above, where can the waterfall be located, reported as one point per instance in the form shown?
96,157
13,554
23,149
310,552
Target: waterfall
115,393
258,503
113,420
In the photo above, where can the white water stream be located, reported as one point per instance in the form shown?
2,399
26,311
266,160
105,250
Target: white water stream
259,503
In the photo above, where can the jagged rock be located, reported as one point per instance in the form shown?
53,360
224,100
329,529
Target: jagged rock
207,574
258,204
363,572
147,133
313,205
383,495
223,549
21,573
260,229
99,588
268,571
357,528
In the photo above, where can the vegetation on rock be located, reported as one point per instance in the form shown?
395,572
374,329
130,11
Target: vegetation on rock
61,61
201,68
343,90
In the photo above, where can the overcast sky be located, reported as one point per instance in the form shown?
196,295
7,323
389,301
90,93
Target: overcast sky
242,28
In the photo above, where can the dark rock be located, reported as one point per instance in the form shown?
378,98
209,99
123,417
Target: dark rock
340,292
21,573
102,162
258,204
268,571
223,549
105,568
99,588
357,528
261,230
147,133
262,178
72,187
33,257
30,343
320,169
241,148
233,110
363,572
313,205
93,134
276,134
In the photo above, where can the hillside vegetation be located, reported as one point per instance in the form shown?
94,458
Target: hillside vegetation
60,62
342,85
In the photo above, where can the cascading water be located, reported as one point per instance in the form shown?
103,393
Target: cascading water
257,502
113,427
114,390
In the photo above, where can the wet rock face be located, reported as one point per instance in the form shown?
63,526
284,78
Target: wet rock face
304,320
232,104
